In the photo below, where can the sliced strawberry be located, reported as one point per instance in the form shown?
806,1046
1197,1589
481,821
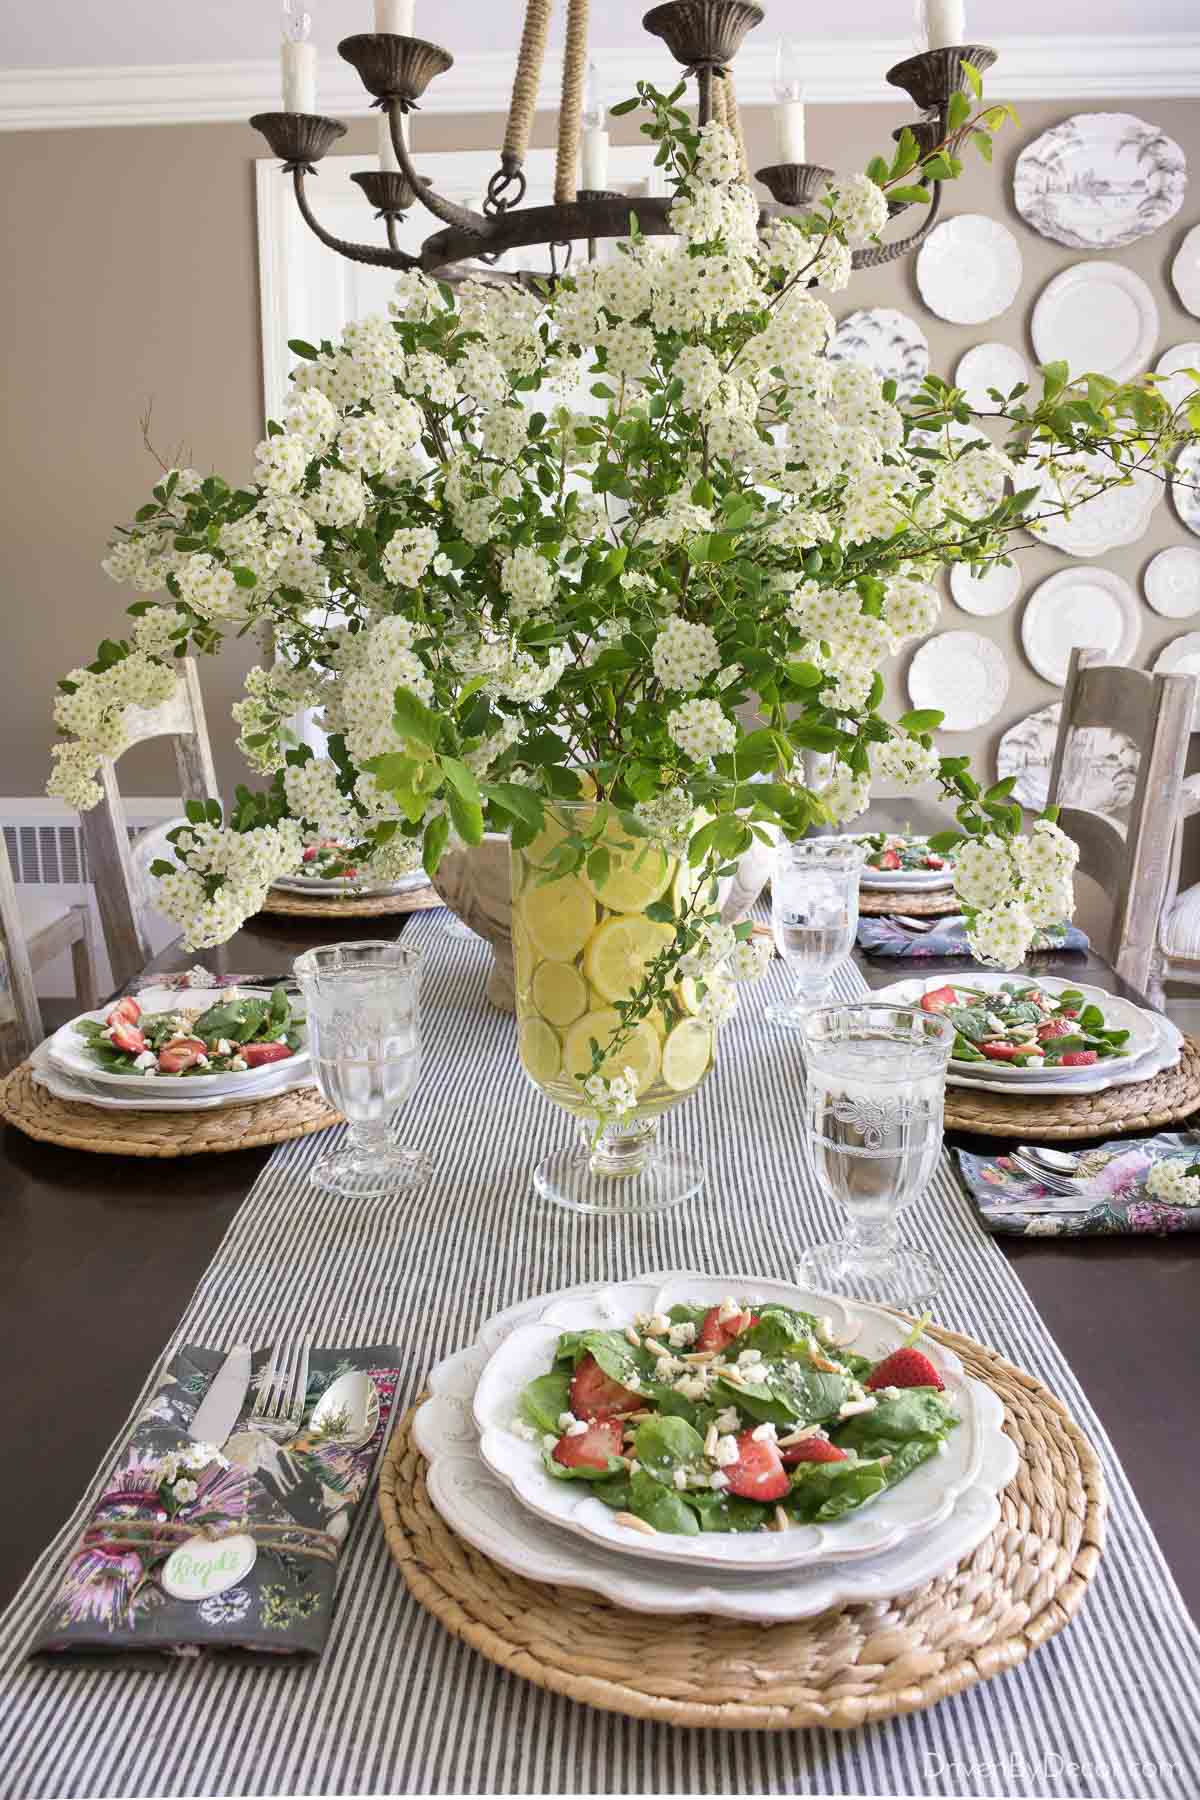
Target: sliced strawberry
595,1395
1078,1059
1053,1028
758,1473
811,1450
905,1368
887,859
938,999
128,1038
716,1333
255,1055
591,1449
310,855
184,1053
1069,1012
1000,1051
933,861
126,1011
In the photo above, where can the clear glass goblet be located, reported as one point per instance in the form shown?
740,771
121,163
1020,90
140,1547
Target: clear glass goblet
364,1034
814,918
875,1080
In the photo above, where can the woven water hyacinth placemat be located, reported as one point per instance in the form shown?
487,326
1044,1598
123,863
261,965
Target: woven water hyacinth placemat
1142,1106
851,1665
938,905
354,906
36,1112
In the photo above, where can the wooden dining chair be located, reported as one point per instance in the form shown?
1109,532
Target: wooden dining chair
1129,856
118,864
20,1014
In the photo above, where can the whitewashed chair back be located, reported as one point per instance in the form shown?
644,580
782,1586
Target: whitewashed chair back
119,869
1129,855
20,1014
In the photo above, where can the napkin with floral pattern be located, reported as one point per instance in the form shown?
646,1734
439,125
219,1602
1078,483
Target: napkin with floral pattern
884,936
296,1500
1116,1200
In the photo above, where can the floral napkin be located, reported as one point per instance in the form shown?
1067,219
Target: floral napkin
1133,1185
882,936
295,1501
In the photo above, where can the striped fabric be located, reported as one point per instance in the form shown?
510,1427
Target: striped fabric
398,1706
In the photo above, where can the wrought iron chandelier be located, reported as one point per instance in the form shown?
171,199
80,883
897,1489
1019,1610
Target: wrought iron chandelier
703,36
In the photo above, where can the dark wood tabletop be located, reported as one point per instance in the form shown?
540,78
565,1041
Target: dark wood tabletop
100,1255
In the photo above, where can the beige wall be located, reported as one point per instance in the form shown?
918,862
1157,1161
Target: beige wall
131,276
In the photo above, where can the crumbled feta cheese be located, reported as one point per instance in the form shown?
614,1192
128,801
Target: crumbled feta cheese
108,1031
728,1420
237,1062
565,1420
889,1393
577,1428
146,1061
668,1367
634,1465
656,1324
697,1480
224,1047
1034,1062
549,1441
825,1328
680,1336
850,1407
680,1478
746,1357
201,1062
726,1452
282,1041
729,1309
717,1480
764,1433
692,1387
632,1381
523,1429
993,1023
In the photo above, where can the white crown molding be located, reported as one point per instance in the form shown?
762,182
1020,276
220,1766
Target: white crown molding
838,69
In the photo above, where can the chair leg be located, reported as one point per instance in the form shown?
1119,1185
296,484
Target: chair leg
1155,980
84,960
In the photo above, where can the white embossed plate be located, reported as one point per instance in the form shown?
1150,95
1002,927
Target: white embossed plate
969,269
988,593
1093,608
989,366
924,1499
961,675
1172,582
1101,521
1185,487
1185,271
1175,384
1097,317
1182,657
67,1051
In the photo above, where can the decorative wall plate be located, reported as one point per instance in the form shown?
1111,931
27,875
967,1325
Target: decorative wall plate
1091,607
988,366
1185,271
1100,180
1103,777
1097,317
1182,657
886,340
962,675
1174,364
1119,515
1185,487
988,593
969,269
1172,582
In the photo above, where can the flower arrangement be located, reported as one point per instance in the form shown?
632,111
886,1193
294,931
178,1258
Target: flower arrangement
520,546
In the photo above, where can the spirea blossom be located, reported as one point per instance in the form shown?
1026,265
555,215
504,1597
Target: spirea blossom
701,729
684,654
408,554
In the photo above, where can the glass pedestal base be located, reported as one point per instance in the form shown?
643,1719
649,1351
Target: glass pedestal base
791,1013
623,1170
896,1277
369,1170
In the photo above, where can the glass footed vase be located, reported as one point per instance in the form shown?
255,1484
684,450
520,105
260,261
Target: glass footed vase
581,942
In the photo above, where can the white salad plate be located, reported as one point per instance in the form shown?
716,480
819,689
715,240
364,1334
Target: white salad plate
1098,523
326,884
1119,1015
1185,272
969,269
484,1511
1097,317
1100,180
1185,487
1182,657
1175,384
988,593
988,366
1091,607
1165,1055
917,881
924,1499
961,675
160,1095
1104,775
1172,582
68,1053
886,340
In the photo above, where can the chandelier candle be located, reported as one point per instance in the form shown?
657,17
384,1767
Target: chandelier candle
298,63
945,23
593,152
789,104
397,16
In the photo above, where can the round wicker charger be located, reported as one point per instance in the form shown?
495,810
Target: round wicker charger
850,1666
1142,1106
36,1112
938,905
354,906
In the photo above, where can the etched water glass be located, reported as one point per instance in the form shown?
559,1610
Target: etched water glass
364,1034
875,1080
814,918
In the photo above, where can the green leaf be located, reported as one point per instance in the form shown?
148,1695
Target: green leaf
983,143
159,867
918,723
300,348
437,836
512,798
461,780
877,170
545,1399
974,77
467,818
959,111
413,719
245,578
942,841
911,196
661,1507
663,1445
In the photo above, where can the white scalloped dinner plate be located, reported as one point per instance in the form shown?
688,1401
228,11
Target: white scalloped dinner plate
484,1512
1092,607
1172,366
1182,657
1104,521
925,1499
1185,272
67,1052
1185,487
961,675
988,366
985,595
1097,317
1172,582
159,1096
969,269
353,890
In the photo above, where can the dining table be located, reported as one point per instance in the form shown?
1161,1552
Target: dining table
101,1255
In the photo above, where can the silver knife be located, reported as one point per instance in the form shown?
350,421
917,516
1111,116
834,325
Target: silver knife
220,1408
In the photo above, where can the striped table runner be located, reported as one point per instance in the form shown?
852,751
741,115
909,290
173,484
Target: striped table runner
396,1705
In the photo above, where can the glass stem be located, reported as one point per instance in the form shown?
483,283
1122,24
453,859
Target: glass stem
619,1148
872,1240
368,1138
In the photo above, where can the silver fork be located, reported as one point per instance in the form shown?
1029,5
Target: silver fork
1057,1184
279,1408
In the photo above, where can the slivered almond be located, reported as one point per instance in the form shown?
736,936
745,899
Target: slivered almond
660,1349
636,1524
710,1440
700,1356
795,1437
642,1413
631,1337
782,1522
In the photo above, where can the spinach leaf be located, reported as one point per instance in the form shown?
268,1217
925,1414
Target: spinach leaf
914,1413
561,1472
613,1351
660,1506
965,1051
779,1328
688,1315
545,1398
824,1491
279,1016
970,1022
787,1393
664,1445
724,1512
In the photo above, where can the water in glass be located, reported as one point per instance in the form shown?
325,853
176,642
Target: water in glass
814,918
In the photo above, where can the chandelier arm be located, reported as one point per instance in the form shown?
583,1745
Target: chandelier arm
571,104
730,116
874,256
531,59
448,211
392,258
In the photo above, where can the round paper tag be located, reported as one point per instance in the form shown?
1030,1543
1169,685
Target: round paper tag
203,1566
